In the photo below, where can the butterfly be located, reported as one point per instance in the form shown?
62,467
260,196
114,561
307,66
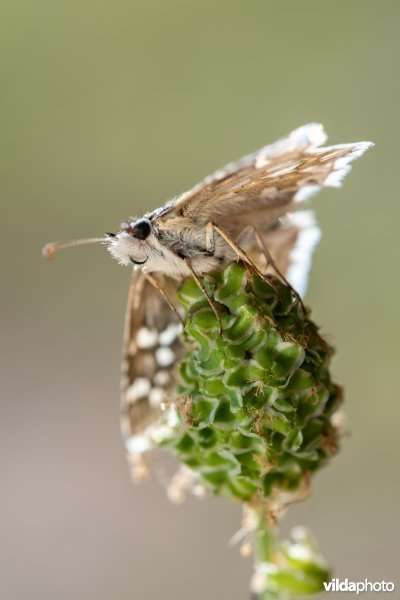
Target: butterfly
249,209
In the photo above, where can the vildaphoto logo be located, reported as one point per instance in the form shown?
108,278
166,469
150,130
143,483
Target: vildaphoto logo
344,585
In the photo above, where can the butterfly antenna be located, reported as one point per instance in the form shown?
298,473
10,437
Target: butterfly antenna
49,249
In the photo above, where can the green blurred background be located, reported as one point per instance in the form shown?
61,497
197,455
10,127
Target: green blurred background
108,109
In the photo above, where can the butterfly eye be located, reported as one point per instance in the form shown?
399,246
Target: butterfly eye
141,230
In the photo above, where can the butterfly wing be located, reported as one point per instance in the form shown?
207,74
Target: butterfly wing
267,182
151,351
261,190
298,141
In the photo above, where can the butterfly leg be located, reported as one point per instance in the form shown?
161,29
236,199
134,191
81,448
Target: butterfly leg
203,289
210,238
164,294
241,254
270,261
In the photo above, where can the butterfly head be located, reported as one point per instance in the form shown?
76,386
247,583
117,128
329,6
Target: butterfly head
133,243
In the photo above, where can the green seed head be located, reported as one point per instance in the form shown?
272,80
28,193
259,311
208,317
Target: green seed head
257,400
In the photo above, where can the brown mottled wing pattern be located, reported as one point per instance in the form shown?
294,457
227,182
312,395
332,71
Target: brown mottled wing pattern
262,190
151,351
214,187
265,184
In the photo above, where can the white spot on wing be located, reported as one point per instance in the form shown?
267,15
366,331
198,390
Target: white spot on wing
169,335
165,356
261,161
137,444
311,135
300,257
335,178
140,388
156,396
162,378
305,192
146,338
154,434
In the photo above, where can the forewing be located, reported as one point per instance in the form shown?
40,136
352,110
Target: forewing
264,185
151,351
311,135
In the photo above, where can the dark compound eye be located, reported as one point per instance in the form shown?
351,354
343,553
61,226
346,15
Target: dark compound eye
141,230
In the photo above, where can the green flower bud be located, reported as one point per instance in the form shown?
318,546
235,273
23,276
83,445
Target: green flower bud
261,397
